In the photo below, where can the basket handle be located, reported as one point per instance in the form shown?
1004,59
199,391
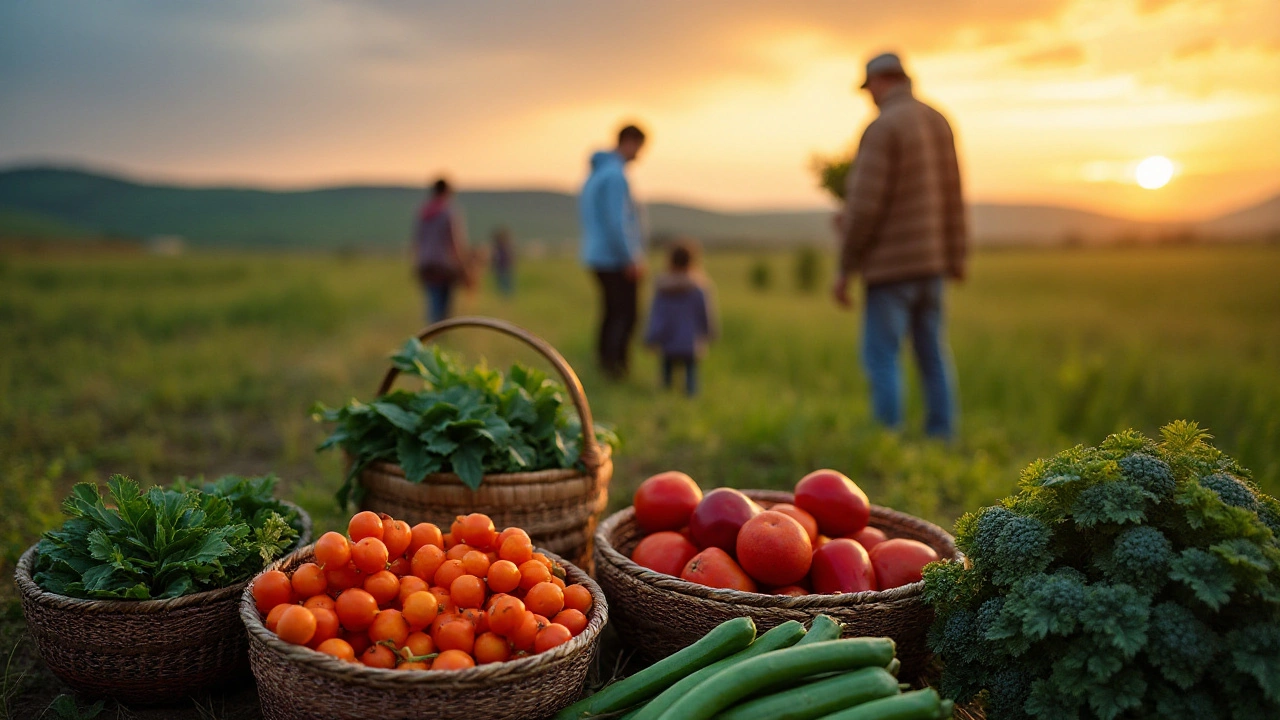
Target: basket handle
590,455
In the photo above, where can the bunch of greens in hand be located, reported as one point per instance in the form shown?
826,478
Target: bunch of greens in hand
1136,579
166,542
465,420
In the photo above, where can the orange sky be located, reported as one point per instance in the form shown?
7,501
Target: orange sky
1053,101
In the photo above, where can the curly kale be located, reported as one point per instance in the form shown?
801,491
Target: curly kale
1151,474
1133,579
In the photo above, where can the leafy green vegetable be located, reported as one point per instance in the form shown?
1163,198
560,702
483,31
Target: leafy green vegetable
1135,578
469,421
164,543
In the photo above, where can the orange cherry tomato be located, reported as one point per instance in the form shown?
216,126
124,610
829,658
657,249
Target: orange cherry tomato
544,599
413,665
557,582
364,525
410,584
338,648
449,571
577,597
502,536
333,550
456,634
384,586
491,648
308,580
270,589
379,656
327,626
420,609
478,531
572,619
467,591
419,644
443,600
389,625
396,535
506,614
457,552
527,632
273,617
317,602
551,636
453,660
516,548
369,556
426,561
356,609
296,625
532,573
359,641
424,534
503,576
400,567
476,563
479,618
344,577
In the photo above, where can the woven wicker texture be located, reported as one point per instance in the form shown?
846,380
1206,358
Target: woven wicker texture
558,508
295,683
659,614
139,651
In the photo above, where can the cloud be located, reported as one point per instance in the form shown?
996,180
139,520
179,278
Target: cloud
1069,55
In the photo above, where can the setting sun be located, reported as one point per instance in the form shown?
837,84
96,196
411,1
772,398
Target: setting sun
1154,172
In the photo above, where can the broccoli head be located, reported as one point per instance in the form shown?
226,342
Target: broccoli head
1151,474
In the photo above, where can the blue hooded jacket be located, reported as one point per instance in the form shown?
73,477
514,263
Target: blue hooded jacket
610,228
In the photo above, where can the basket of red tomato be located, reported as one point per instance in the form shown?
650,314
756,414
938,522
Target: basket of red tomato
678,562
411,621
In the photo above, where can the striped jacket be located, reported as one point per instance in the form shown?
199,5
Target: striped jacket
904,218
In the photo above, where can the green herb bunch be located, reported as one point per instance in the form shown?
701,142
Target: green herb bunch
1137,579
164,543
465,420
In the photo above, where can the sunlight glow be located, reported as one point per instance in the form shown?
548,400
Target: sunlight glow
1154,172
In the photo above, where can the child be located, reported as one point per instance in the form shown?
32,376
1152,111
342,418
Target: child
680,320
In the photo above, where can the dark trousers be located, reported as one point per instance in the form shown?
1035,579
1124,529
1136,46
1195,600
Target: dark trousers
690,363
619,295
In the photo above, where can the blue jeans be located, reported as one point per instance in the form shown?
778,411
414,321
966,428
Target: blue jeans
439,296
893,310
690,363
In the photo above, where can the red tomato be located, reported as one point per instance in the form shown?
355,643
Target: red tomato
899,561
717,519
790,590
665,501
774,549
714,568
868,537
842,566
665,552
839,506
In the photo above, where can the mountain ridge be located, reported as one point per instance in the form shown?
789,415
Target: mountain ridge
46,202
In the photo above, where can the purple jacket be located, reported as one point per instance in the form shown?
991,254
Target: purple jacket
681,320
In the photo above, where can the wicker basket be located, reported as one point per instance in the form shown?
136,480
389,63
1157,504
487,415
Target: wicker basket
295,682
558,508
658,614
139,651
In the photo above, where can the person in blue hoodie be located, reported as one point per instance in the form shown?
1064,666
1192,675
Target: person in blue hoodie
681,319
612,247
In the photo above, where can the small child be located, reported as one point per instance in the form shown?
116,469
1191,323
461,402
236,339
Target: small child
681,321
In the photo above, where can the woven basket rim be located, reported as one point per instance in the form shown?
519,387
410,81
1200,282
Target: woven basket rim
804,602
324,664
24,577
517,478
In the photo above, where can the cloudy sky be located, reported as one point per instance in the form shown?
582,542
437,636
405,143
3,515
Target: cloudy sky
1054,101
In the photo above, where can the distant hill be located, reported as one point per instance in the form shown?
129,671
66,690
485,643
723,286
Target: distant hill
44,202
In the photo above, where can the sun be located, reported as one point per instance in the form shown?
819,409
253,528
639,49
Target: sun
1154,172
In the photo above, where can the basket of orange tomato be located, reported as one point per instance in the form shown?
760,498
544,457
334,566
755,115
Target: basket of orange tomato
467,623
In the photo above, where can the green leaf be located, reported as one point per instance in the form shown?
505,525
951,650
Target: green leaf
415,458
399,417
466,463
1207,576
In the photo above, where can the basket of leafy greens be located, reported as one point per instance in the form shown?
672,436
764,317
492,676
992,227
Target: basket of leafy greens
136,596
1135,579
470,439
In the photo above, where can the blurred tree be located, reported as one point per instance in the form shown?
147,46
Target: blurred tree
808,268
760,277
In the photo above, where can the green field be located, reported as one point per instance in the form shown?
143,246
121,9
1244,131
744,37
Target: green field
157,367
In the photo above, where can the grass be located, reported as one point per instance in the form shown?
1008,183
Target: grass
207,364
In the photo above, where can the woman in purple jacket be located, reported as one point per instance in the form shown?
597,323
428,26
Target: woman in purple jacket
681,320
440,251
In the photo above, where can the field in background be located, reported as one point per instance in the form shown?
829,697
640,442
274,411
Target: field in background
157,367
